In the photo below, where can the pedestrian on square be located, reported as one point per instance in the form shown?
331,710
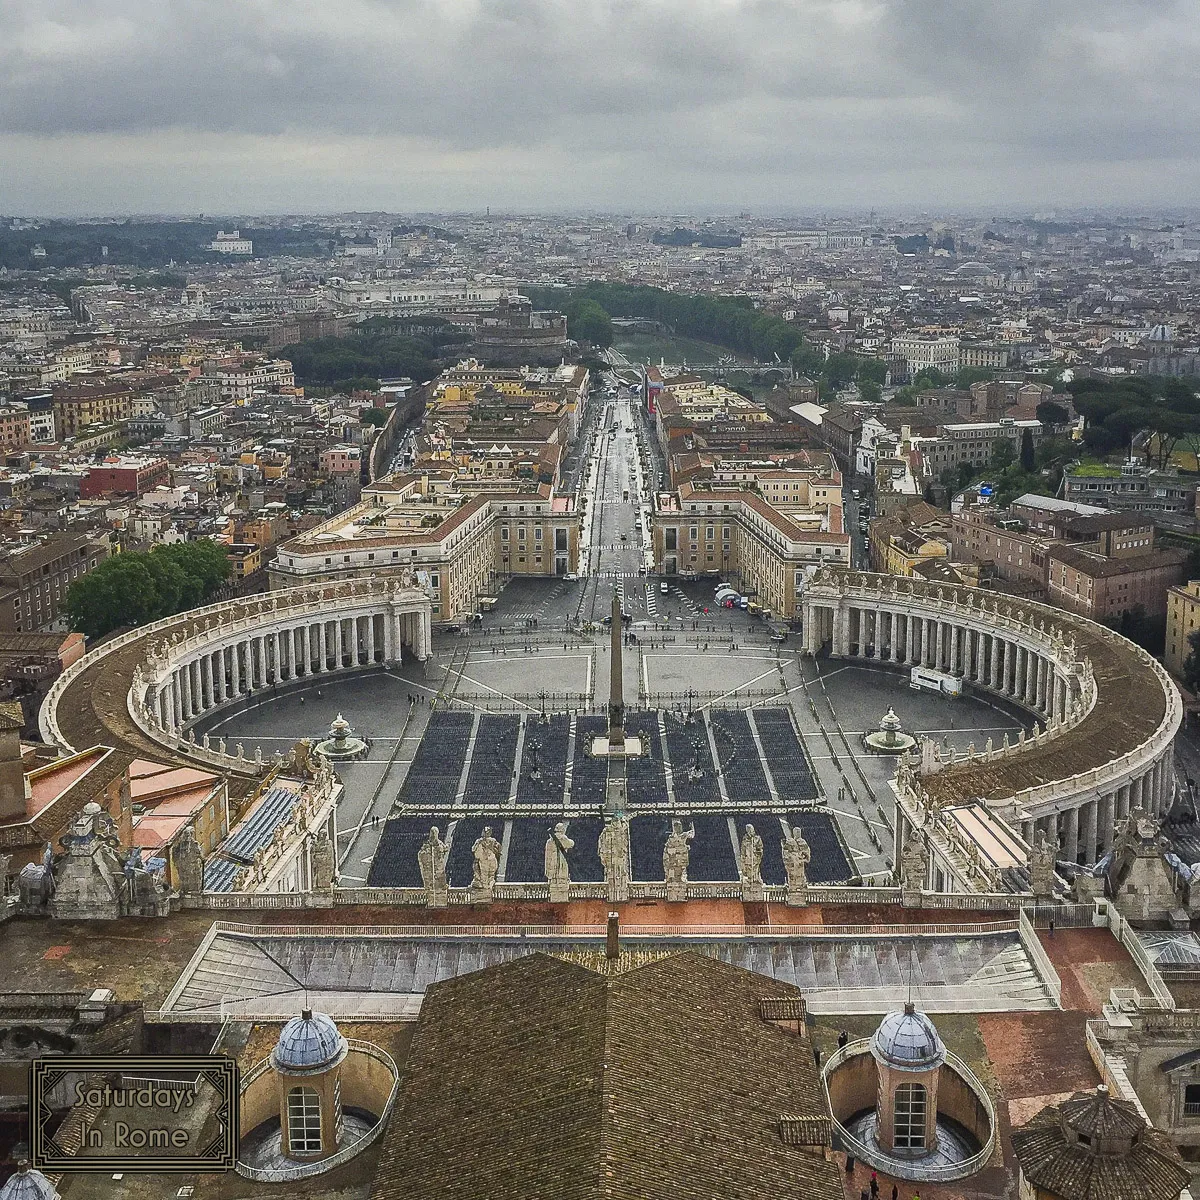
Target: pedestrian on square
895,1191
843,1038
874,1185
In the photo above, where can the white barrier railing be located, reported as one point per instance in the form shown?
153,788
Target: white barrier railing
1036,953
1128,938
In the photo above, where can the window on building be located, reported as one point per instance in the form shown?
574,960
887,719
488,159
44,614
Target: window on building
1191,1100
909,1117
304,1121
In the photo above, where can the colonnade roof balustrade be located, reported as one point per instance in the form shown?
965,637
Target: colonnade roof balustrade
89,703
1136,711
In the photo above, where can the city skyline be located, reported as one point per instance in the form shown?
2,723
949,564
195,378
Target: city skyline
533,106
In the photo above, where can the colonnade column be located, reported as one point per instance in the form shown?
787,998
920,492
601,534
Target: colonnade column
1090,849
1071,835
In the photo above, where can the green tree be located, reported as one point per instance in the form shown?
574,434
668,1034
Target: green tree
588,322
141,586
873,369
869,390
1003,453
969,375
1051,413
1027,456
373,416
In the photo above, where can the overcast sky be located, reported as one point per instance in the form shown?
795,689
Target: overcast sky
249,106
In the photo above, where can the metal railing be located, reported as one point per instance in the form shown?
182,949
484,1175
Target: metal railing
306,1170
598,932
928,1172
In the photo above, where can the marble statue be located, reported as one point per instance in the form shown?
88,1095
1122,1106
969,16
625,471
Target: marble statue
914,865
750,856
615,857
558,869
486,853
797,854
431,859
189,863
1041,869
676,853
324,862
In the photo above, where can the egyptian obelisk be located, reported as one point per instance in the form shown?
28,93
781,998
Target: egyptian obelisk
616,702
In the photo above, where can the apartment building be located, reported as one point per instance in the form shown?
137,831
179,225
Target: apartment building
920,352
15,431
125,474
79,405
737,534
34,580
974,442
1131,486
1106,589
1183,618
900,543
461,547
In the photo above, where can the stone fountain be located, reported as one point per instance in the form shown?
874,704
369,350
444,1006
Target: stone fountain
341,742
890,737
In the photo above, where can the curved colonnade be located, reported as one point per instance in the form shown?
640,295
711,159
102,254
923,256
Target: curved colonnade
1108,711
181,668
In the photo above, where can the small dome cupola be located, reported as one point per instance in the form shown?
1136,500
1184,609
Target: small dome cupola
1098,1126
28,1184
907,1041
308,1045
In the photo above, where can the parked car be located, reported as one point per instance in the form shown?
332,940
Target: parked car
571,576
662,587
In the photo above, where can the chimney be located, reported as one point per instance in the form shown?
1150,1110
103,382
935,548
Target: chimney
612,946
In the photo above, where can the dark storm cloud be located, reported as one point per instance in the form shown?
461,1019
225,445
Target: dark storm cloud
977,97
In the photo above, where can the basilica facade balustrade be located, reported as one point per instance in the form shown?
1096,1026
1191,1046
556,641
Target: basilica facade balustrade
218,655
1106,713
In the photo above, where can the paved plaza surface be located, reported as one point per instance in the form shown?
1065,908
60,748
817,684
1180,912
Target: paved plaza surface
738,729
546,686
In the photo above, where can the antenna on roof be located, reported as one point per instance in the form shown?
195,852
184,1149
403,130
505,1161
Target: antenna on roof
908,1004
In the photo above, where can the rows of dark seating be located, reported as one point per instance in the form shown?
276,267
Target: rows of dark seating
437,766
493,760
395,862
829,862
687,745
544,752
781,744
745,780
646,776
588,775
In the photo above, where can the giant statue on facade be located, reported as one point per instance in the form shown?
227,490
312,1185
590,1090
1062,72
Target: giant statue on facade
615,857
431,859
750,857
486,855
676,854
558,869
324,862
914,866
1041,869
189,863
797,854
